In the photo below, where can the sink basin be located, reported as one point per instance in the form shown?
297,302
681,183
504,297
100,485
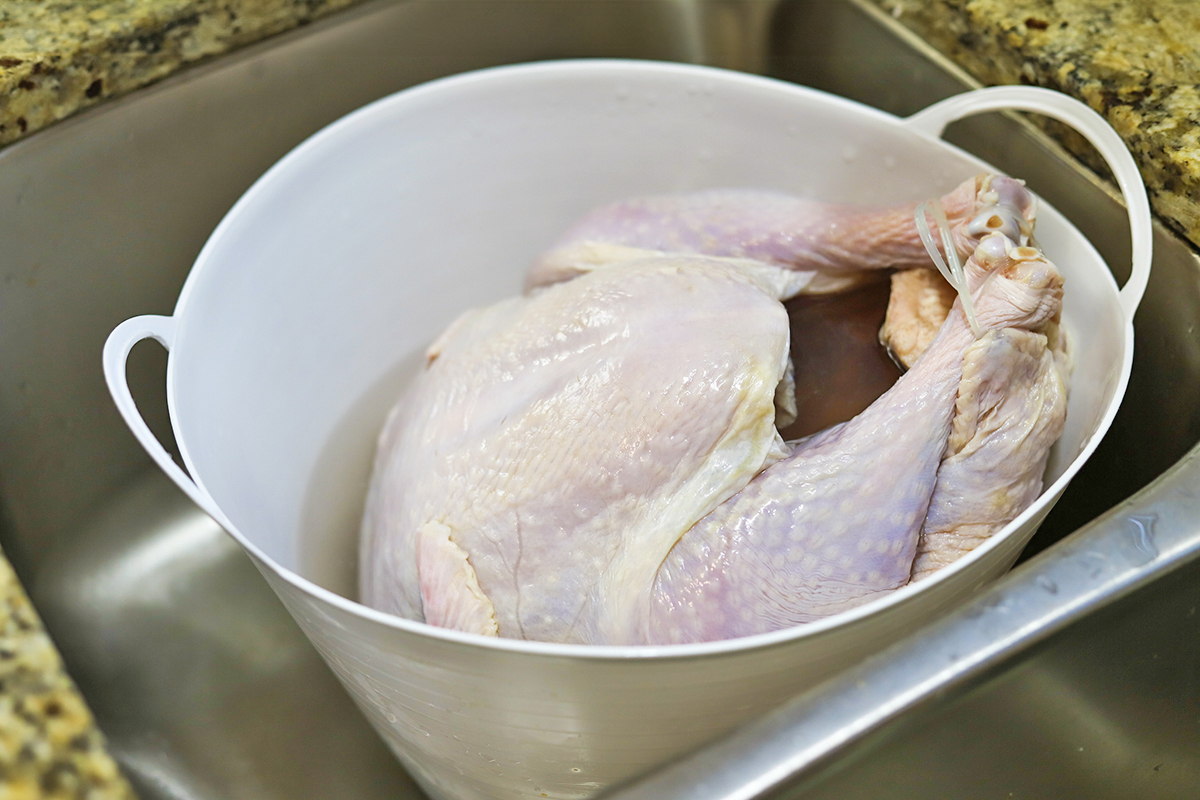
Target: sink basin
201,681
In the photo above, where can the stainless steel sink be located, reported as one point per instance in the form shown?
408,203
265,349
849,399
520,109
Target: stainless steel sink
205,687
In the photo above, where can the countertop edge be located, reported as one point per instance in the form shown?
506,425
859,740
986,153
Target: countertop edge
52,69
50,745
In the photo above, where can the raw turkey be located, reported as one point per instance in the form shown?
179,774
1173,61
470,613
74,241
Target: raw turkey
598,461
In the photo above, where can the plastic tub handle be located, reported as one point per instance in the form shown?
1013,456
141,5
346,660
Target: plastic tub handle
116,353
933,121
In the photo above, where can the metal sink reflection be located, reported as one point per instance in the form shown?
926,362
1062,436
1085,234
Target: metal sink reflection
203,684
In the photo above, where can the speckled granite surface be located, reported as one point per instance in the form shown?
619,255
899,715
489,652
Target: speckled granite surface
49,745
59,56
1137,63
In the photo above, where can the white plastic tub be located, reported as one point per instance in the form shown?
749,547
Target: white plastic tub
292,335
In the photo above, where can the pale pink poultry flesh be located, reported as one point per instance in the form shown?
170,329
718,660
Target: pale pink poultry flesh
598,461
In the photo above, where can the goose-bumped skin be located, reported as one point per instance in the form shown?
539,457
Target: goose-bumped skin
838,521
598,461
564,442
832,247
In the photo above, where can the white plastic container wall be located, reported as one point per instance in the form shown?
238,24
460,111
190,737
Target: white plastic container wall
318,292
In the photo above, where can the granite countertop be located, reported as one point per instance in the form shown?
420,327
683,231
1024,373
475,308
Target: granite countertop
49,744
1138,64
57,57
